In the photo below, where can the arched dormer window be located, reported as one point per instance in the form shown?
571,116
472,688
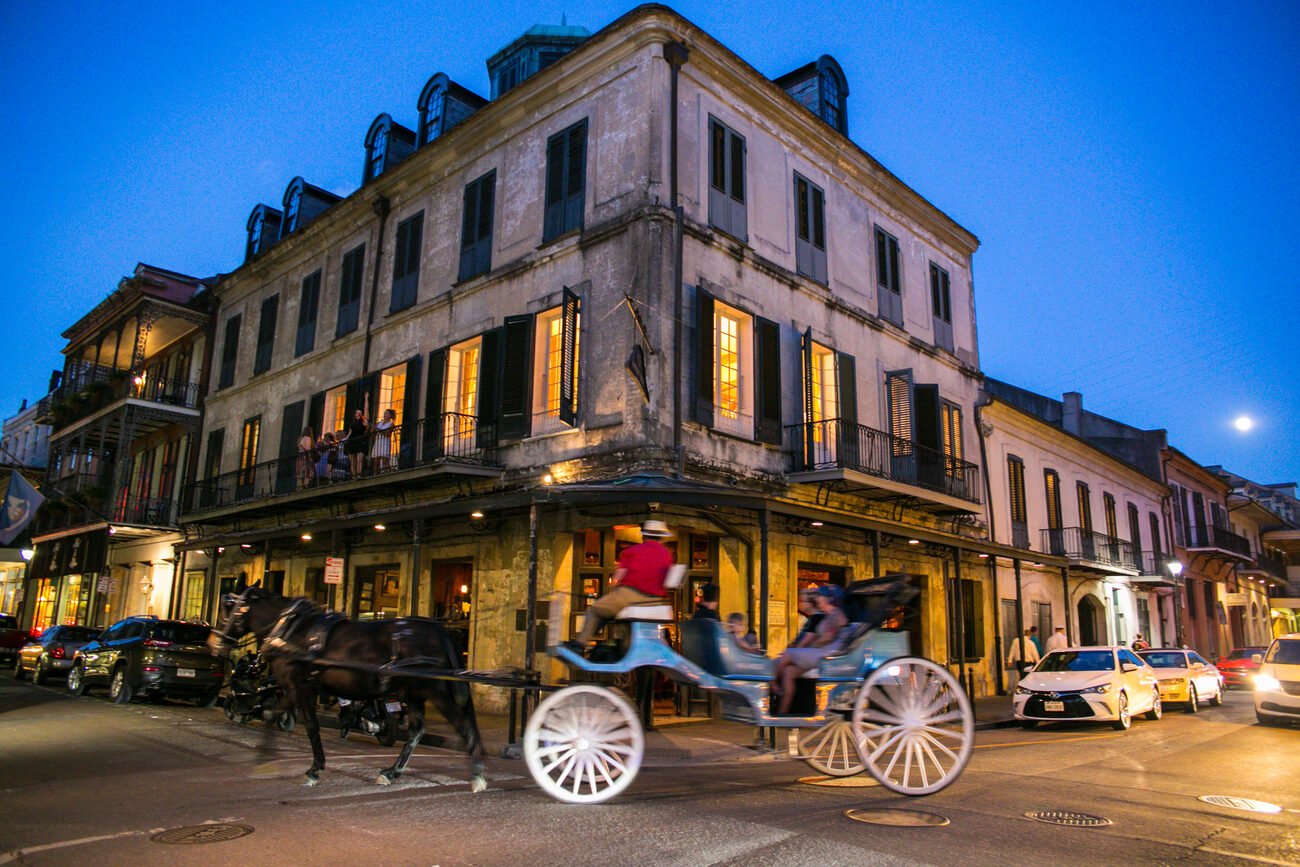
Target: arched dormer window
377,147
433,105
263,230
292,207
834,92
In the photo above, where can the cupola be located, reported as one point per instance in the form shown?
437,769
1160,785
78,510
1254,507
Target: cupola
538,48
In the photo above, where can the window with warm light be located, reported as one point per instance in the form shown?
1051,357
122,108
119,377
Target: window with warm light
460,398
822,409
335,418
248,449
731,370
549,395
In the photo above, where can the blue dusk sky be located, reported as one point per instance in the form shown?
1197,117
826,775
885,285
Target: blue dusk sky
1129,168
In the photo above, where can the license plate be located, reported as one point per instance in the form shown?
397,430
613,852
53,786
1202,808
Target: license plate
184,672
393,706
1054,706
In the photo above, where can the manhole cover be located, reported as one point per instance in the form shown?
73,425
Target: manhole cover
1240,803
898,818
1065,817
860,781
215,833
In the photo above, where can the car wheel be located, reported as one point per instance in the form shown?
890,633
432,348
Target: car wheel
18,668
77,680
42,673
119,689
1193,703
1217,701
1124,720
1029,723
207,699
1157,708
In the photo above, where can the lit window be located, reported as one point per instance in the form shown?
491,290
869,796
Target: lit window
822,410
248,449
553,409
460,400
335,419
731,368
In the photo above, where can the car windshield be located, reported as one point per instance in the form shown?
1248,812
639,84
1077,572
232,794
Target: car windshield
1077,660
1284,652
1245,652
180,633
1165,659
76,633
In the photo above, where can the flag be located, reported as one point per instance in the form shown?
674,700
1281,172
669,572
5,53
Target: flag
20,504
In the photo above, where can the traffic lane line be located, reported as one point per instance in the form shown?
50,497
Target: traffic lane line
1042,741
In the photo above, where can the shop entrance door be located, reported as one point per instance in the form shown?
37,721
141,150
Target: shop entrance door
376,592
453,601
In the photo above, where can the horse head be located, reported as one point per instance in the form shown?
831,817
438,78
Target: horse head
255,610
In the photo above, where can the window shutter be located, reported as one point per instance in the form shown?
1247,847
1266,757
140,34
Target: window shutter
491,375
928,426
468,232
487,187
349,311
316,414
900,407
703,403
811,436
308,306
230,351
577,173
266,334
719,206
516,378
290,430
1198,516
433,405
406,263
846,380
569,357
767,392
351,402
410,412
553,220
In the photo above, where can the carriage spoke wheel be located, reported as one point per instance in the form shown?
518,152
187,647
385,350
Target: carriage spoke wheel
584,744
913,726
830,749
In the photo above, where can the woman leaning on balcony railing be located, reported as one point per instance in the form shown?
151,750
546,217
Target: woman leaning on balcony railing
354,445
307,457
381,449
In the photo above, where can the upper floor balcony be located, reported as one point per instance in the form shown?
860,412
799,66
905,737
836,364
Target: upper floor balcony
447,444
1266,566
1089,549
1218,541
878,465
97,391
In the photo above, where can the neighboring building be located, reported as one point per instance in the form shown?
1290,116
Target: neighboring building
25,441
1054,494
122,419
797,406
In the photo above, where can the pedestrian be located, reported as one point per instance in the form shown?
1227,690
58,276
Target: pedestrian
1140,643
306,457
639,578
1033,636
1057,640
354,446
382,448
707,608
1023,654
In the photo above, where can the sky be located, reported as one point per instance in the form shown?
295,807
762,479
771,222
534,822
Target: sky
1129,169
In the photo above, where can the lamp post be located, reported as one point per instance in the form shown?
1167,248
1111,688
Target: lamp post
1175,568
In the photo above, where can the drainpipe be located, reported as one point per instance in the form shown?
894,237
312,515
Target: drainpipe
875,553
763,521
1065,584
961,623
997,631
675,54
417,537
381,207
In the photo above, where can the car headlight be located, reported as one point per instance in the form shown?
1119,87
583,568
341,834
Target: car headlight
1267,682
1020,690
1100,689
1172,681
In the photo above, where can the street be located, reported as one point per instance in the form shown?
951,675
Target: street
84,781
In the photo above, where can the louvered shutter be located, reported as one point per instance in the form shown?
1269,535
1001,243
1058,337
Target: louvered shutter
290,430
491,374
846,380
266,334
316,414
703,391
553,219
410,413
719,206
811,434
767,391
230,351
432,446
575,188
928,428
569,357
739,215
468,232
516,378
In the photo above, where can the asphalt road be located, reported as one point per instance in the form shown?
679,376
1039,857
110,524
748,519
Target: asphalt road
83,781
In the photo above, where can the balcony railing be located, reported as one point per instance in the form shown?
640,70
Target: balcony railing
1212,537
1275,566
448,438
833,444
149,511
96,387
1089,546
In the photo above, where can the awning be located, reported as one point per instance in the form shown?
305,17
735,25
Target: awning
83,553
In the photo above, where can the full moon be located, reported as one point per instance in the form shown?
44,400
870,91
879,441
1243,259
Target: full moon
1243,423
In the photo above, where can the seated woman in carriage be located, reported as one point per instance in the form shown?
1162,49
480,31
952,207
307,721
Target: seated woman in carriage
826,640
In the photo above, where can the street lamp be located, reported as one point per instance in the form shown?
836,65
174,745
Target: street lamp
27,554
1175,568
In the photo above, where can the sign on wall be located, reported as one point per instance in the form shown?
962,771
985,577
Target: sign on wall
333,570
1234,599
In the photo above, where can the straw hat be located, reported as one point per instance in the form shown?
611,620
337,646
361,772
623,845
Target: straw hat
655,530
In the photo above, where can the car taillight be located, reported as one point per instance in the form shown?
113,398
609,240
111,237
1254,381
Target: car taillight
35,632
152,668
58,652
156,642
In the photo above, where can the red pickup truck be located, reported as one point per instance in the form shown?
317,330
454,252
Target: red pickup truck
11,637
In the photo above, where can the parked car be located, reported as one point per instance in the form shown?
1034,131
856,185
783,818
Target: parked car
1185,677
11,637
1238,667
152,657
1088,683
1277,683
53,651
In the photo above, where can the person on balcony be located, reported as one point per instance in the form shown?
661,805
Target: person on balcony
354,446
307,457
381,450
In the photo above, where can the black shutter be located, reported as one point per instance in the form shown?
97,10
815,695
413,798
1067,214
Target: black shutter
810,433
553,219
266,334
290,430
514,420
410,411
846,378
703,392
352,272
490,374
767,389
569,357
230,351
308,306
925,400
433,406
351,401
476,227
316,414
575,188
406,263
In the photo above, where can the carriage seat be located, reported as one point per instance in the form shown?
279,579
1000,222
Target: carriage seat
879,644
658,612
708,644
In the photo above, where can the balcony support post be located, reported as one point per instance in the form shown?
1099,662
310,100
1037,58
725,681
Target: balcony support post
1065,585
1000,679
417,538
961,619
1020,607
209,596
764,520
875,553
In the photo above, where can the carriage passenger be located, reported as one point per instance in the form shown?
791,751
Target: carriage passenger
639,577
827,640
746,640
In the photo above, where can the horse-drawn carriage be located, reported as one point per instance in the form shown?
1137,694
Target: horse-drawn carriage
903,719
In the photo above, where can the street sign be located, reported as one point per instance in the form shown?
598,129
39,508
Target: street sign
102,585
1234,599
333,570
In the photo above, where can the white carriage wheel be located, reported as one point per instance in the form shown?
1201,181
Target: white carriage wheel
830,749
913,726
584,744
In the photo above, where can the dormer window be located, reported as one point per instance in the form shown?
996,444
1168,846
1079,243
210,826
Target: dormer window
443,104
821,88
387,144
263,229
832,107
378,148
255,233
431,121
302,204
292,207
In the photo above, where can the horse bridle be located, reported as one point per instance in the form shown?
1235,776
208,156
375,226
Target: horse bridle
239,606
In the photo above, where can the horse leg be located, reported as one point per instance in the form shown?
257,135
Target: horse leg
459,711
304,700
414,731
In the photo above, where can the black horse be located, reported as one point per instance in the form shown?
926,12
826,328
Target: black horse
310,652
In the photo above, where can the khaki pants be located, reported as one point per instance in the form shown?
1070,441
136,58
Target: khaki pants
607,606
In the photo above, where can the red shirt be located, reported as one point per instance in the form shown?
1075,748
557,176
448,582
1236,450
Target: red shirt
646,567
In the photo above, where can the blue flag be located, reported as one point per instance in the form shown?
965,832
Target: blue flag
19,507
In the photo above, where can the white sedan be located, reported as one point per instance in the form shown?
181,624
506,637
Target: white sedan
1186,678
1088,683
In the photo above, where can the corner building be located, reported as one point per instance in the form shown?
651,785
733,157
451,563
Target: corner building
642,280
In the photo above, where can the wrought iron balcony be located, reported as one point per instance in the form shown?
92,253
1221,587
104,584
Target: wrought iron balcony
834,444
96,387
1266,565
146,511
1088,547
451,439
1212,538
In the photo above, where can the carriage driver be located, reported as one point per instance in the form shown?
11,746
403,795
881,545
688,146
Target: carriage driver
639,578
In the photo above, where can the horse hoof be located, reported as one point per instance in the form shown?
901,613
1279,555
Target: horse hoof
383,779
312,780
478,784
